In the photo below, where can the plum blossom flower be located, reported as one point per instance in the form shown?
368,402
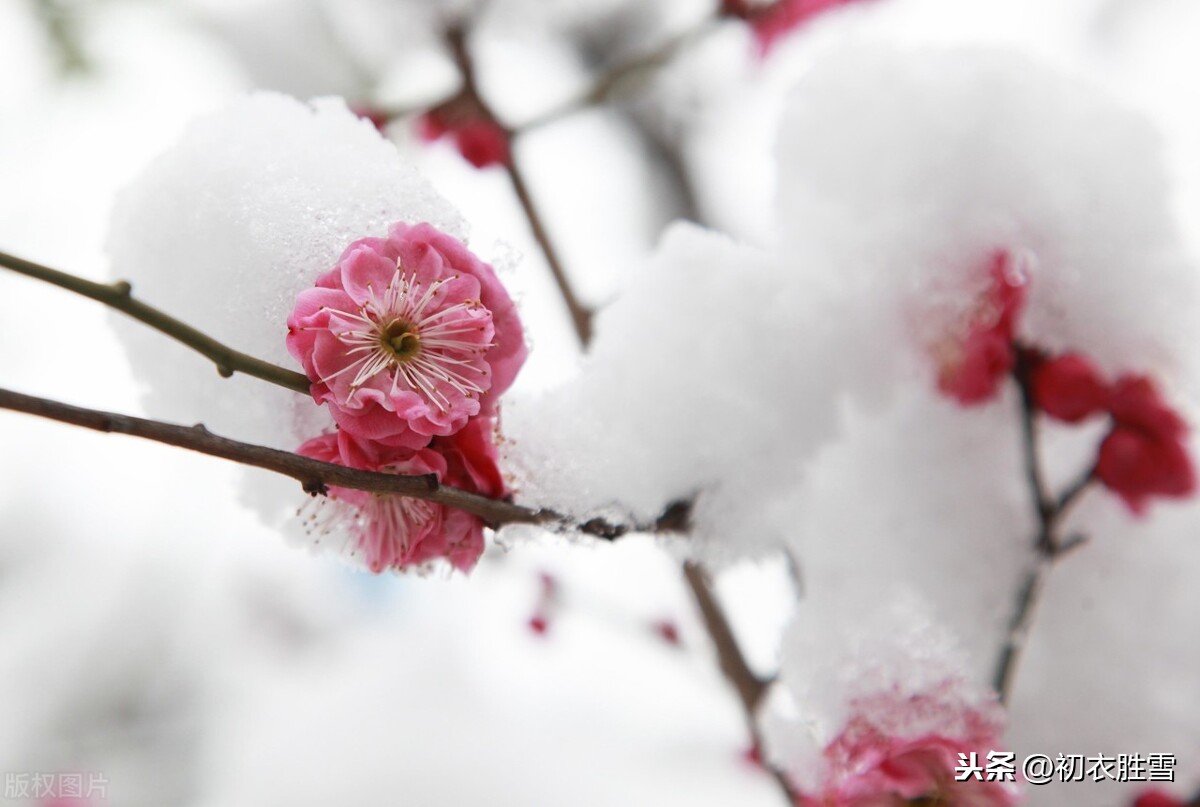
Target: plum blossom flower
407,337
1144,454
882,704
400,532
974,358
1068,387
873,763
479,140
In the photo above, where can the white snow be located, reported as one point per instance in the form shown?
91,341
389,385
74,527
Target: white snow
225,229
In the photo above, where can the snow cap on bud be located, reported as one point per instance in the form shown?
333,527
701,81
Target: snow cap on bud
884,707
976,355
872,769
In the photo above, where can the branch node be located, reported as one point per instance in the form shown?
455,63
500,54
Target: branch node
315,487
224,370
677,517
123,288
602,528
1069,544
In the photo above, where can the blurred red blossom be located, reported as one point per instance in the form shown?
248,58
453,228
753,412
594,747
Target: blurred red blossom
1068,387
480,140
771,21
868,766
1158,798
378,118
976,357
1144,454
547,603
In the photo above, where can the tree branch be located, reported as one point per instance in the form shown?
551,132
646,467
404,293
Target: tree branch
1049,545
316,477
750,688
610,81
581,315
119,295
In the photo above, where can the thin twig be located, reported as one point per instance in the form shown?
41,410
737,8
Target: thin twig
62,30
581,315
1019,626
317,477
119,295
1049,545
750,688
606,85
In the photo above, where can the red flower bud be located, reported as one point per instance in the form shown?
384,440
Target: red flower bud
1068,388
1144,454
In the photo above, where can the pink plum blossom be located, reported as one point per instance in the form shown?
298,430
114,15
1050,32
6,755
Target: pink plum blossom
875,762
407,337
399,532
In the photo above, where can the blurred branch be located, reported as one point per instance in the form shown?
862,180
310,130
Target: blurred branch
317,477
61,31
119,295
610,82
615,78
1049,544
750,688
581,315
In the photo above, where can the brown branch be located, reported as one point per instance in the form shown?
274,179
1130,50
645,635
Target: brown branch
1049,544
316,476
119,295
581,315
609,82
749,687
61,24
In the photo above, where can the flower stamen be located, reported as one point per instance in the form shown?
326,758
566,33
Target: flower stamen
392,333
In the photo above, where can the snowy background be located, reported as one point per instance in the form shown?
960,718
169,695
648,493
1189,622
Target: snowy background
157,626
